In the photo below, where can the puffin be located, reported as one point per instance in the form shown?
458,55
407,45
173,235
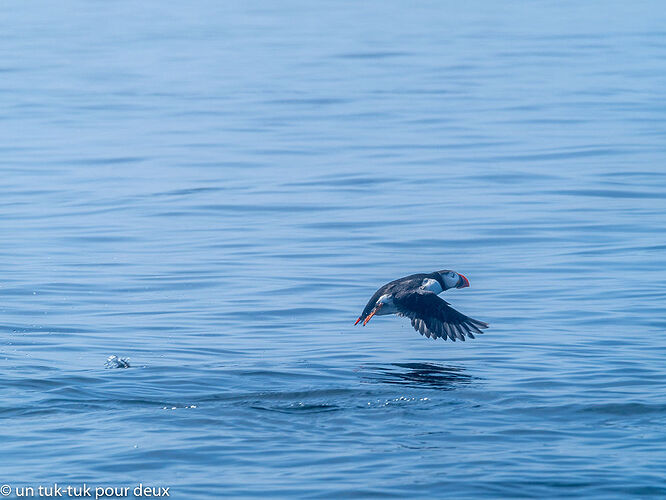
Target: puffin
416,297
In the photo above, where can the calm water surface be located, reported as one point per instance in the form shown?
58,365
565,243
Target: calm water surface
214,190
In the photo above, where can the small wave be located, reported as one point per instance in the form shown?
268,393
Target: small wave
114,361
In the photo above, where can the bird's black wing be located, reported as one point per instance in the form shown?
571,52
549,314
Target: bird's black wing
433,317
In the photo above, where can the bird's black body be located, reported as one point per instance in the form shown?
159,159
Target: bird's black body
415,296
410,282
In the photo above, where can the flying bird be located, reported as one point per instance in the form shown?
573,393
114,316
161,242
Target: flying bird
416,297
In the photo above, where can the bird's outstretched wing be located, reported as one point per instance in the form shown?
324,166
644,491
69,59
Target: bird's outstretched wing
433,317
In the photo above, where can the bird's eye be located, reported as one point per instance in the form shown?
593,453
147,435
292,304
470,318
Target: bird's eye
452,274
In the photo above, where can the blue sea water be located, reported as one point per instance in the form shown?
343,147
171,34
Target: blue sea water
211,191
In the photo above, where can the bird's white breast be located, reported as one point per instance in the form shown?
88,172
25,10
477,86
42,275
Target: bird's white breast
431,285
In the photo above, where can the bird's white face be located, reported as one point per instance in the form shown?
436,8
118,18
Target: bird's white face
453,280
450,279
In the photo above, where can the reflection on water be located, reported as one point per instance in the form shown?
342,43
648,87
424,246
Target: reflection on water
443,377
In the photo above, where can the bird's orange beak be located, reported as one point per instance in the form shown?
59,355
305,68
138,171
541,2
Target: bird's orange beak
462,282
374,311
357,321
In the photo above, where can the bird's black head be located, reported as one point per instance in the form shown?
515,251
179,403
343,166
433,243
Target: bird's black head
451,279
